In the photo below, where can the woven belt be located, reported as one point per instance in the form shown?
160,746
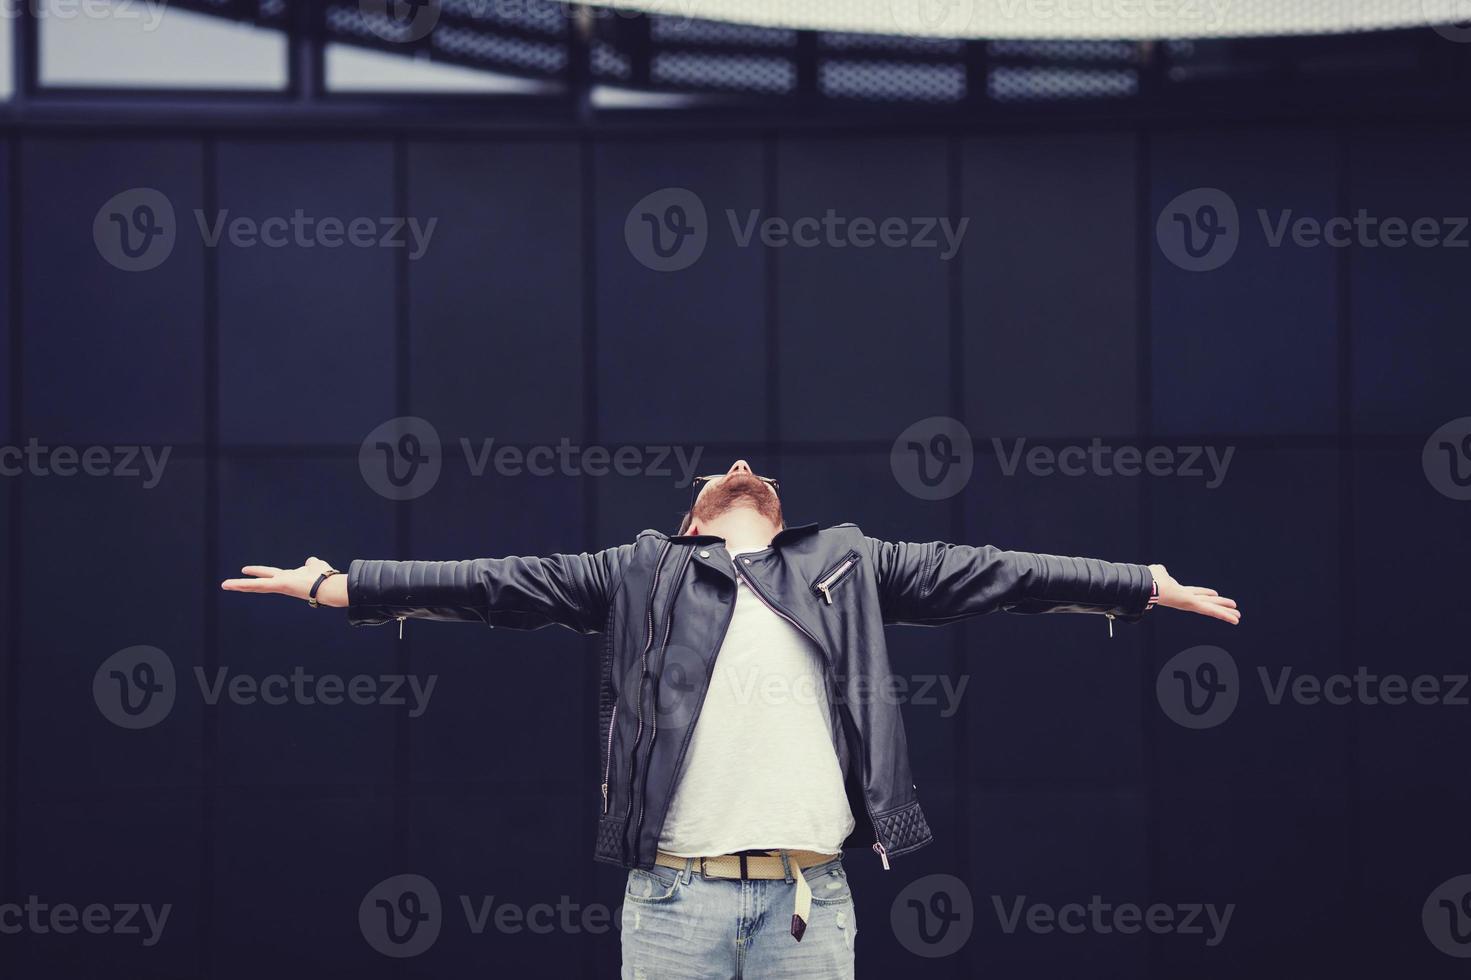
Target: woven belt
770,866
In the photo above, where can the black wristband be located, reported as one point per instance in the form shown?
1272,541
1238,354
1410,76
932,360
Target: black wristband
311,599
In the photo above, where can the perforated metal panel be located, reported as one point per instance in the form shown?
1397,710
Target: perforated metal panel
1052,84
524,37
536,57
892,81
608,62
847,41
530,15
684,30
1064,50
743,73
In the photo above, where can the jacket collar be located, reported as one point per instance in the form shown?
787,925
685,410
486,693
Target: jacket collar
793,532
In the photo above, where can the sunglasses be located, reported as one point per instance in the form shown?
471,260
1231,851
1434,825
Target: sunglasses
700,481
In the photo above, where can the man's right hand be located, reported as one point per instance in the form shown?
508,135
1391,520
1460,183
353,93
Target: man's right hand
295,582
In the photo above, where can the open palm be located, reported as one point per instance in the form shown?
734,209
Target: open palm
294,582
1194,598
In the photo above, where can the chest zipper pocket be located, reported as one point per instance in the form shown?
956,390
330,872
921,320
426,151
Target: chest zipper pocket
836,576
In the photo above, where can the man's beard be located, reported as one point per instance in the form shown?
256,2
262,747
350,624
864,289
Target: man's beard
738,490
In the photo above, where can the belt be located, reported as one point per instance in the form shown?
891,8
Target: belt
768,866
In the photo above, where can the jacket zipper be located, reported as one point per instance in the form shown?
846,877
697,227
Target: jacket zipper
654,732
643,674
878,845
828,582
608,759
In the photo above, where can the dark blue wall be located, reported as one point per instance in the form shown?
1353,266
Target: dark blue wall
530,321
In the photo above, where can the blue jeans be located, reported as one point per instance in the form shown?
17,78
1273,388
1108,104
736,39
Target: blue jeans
679,925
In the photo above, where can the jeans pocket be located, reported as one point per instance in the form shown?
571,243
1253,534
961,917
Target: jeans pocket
829,884
652,886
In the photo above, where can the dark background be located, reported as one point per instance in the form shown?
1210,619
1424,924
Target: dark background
530,321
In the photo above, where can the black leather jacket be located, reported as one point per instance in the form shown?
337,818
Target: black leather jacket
663,604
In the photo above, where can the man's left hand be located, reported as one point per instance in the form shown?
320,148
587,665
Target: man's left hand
1194,598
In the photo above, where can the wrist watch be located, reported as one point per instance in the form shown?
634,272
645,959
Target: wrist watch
311,599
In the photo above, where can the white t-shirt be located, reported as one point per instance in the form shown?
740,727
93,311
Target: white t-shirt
761,771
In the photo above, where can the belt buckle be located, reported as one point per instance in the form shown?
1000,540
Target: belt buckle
745,869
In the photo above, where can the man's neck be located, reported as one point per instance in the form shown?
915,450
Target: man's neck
743,528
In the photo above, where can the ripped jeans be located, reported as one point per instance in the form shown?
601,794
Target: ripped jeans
678,925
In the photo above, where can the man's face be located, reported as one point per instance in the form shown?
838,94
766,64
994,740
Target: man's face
737,487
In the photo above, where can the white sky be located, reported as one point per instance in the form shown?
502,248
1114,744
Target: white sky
1078,19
